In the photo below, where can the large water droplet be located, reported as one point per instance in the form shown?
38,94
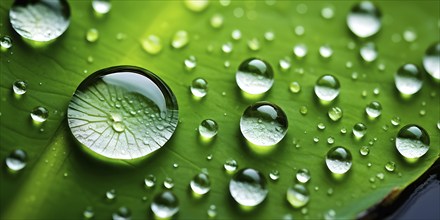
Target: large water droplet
364,19
303,175
41,20
264,124
201,184
248,187
208,128
39,114
165,204
152,44
412,141
199,87
254,76
123,213
368,52
338,160
374,109
327,88
123,112
19,87
408,79
431,61
180,39
298,195
16,160
101,7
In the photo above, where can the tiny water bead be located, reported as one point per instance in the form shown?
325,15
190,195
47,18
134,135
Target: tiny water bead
236,34
364,150
303,175
390,166
248,187
19,87
298,196
295,87
359,130
300,50
368,52
152,44
303,110
285,64
299,30
5,42
88,213
168,183
325,51
16,160
230,165
42,20
101,7
217,21
199,87
263,124
200,184
227,47
92,35
327,88
180,39
190,63
338,160
39,114
335,113
208,128
253,44
409,35
431,60
150,180
274,175
364,19
395,121
321,126
408,79
412,141
254,76
330,140
196,5
122,112
269,35
212,211
110,195
327,12
374,109
165,204
123,213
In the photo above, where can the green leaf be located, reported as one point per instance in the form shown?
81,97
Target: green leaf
61,179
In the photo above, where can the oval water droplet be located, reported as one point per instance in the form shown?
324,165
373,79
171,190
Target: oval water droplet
263,124
165,204
123,213
41,20
408,79
431,60
364,19
180,39
248,187
208,128
338,160
201,184
152,44
39,114
19,87
199,87
5,42
359,130
298,195
390,166
325,51
327,88
369,52
374,109
16,160
335,113
254,76
94,108
300,50
303,175
196,5
295,87
412,141
230,165
150,181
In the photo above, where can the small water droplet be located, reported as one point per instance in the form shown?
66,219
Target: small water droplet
269,35
409,35
303,110
110,195
253,44
101,7
327,88
180,39
300,50
39,114
199,87
330,215
150,181
335,113
92,35
152,44
208,128
330,140
190,63
303,175
248,187
123,213
201,184
285,64
325,51
412,141
390,166
196,5
165,205
338,160
298,195
227,47
19,87
369,52
168,183
316,139
364,150
88,213
236,34
327,12
359,130
380,176
254,76
321,126
431,61
364,19
230,165
408,79
295,87
16,160
274,175
374,109
299,30
217,21
5,42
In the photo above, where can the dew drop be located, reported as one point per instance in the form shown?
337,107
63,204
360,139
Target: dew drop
330,215
152,44
431,61
374,109
300,50
168,183
236,34
299,30
253,44
295,87
199,87
335,113
285,64
19,87
196,5
180,39
408,79
165,204
248,187
364,19
227,47
230,165
88,213
359,130
368,52
412,141
298,195
39,114
327,88
212,211
390,166
5,42
101,7
150,181
327,13
16,160
200,184
409,35
338,160
110,195
216,21
208,128
254,76
303,175
303,110
269,35
325,51
123,213
364,150
190,63
92,35
274,175
330,140
263,124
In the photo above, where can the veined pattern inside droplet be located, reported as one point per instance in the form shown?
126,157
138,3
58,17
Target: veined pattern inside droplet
122,115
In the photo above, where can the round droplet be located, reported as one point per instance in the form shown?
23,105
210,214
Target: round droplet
110,195
253,44
364,150
92,35
41,20
390,166
88,213
208,128
152,44
395,121
285,64
123,112
264,124
180,39
196,5
254,76
295,87
330,140
303,110
335,113
201,184
190,63
236,34
325,51
274,175
412,141
327,12
330,215
5,42
300,50
19,87
321,126
230,165
101,6
338,160
431,60
39,114
269,35
303,175
123,213
408,79
150,180
409,35
227,47
165,204
298,195
216,21
168,183
248,187
374,109
199,87
299,30
212,211
359,130
16,160
364,19
327,88
369,52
